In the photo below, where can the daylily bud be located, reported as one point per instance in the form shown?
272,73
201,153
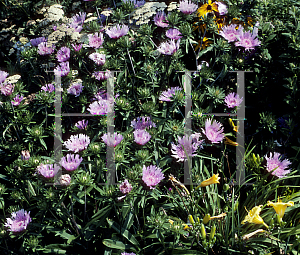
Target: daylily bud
206,219
191,219
203,232
212,232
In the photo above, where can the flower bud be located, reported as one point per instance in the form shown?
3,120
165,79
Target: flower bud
212,232
203,232
206,219
191,219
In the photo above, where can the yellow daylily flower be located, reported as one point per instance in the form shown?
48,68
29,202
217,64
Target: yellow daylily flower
207,217
246,237
280,207
253,216
214,179
235,128
207,8
230,142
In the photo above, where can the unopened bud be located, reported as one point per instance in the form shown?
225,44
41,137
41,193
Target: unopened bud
191,219
212,232
203,232
206,219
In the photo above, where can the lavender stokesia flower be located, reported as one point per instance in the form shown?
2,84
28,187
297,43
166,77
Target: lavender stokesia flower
117,31
48,88
77,47
44,49
77,143
48,171
35,42
75,89
99,107
160,20
167,94
70,162
152,175
25,155
7,89
248,40
3,76
213,131
222,8
169,48
232,100
173,33
100,76
82,124
141,136
142,123
77,21
112,140
189,144
230,33
187,7
17,100
18,222
64,180
98,58
276,166
63,69
63,54
95,40
125,187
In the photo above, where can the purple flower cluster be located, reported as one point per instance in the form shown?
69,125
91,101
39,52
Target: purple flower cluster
96,40
167,94
232,100
213,131
17,100
100,76
48,88
48,171
187,7
70,162
75,89
276,166
152,175
116,32
112,140
77,143
142,123
125,187
98,58
160,20
35,42
82,124
18,222
62,69
63,54
77,21
169,48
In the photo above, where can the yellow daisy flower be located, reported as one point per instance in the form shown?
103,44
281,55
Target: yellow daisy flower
253,216
280,207
237,22
205,44
207,8
220,22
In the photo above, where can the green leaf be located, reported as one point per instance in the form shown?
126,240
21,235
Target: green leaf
117,245
43,143
65,235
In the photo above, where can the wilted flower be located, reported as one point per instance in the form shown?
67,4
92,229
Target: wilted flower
3,76
77,47
63,54
280,207
230,32
48,171
187,7
248,40
173,33
142,123
189,144
222,8
77,142
64,180
117,31
169,48
48,88
75,89
63,69
7,88
152,175
70,162
82,124
25,155
125,187
99,107
141,136
112,140
100,76
35,42
276,166
17,100
213,131
232,100
18,222
44,49
167,94
98,58
96,40
160,19
254,217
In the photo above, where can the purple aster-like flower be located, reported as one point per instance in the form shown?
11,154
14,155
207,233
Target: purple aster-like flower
232,100
189,144
99,107
77,142
125,187
35,42
230,32
169,48
213,131
3,76
167,94
64,180
63,54
173,33
96,40
112,140
141,136
25,155
48,171
82,124
100,76
7,89
276,166
248,40
70,162
48,88
18,222
77,21
160,20
98,58
222,8
75,89
117,31
152,175
63,69
44,49
17,100
187,7
77,47
142,123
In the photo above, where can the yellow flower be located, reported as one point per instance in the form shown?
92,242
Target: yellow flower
250,21
237,22
280,207
246,237
214,179
230,142
220,22
253,216
205,43
235,128
207,8
207,217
